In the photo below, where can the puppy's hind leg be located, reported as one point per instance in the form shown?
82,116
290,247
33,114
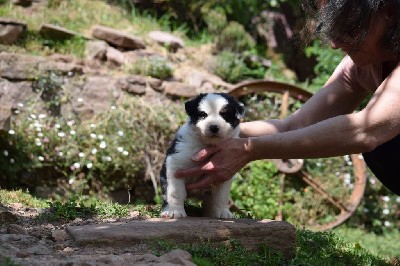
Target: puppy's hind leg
217,205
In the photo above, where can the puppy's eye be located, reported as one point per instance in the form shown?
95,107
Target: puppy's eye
202,115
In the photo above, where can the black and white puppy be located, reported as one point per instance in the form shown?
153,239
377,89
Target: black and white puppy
212,118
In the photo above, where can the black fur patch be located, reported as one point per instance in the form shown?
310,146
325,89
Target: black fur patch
231,110
192,108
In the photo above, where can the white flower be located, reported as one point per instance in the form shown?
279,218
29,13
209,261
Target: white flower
70,181
70,122
113,107
101,137
94,151
20,105
372,181
5,153
37,124
346,158
41,116
318,164
17,111
40,134
93,136
72,132
89,165
33,116
108,158
38,129
57,126
60,154
80,100
11,132
41,158
12,160
77,165
398,199
120,149
386,211
386,198
38,143
103,144
81,154
120,133
125,153
61,134
92,125
387,223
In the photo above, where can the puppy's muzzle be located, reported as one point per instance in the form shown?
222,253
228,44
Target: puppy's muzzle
214,129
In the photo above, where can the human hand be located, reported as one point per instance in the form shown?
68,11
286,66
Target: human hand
217,164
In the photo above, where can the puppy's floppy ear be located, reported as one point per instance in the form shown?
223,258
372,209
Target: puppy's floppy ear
192,105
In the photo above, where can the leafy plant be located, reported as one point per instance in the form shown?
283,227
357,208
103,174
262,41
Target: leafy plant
234,38
232,68
154,66
327,61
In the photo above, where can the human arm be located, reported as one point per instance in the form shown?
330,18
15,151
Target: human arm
324,126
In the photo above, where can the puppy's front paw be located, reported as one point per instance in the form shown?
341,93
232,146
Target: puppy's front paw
222,213
174,213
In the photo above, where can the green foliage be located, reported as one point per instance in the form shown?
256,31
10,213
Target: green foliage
155,66
230,253
23,197
325,248
83,207
104,153
384,245
234,38
256,189
232,68
49,88
379,212
216,21
327,59
313,248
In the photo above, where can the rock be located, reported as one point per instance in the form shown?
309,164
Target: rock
117,38
22,254
10,30
136,84
95,95
279,236
96,50
39,249
56,32
178,256
179,89
21,67
7,217
115,56
24,3
166,39
59,235
5,116
16,229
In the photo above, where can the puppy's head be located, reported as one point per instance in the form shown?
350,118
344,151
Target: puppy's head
214,116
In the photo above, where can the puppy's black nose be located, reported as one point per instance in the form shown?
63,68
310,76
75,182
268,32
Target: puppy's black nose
214,129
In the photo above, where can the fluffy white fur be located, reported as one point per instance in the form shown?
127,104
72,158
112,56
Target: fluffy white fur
192,138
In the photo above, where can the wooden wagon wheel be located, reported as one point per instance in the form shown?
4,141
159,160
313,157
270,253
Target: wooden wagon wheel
344,207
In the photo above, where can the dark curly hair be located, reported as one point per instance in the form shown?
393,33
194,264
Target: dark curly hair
352,20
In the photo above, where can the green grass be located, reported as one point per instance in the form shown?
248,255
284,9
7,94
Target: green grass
386,245
23,197
313,248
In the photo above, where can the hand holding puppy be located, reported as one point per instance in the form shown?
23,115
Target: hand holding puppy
218,163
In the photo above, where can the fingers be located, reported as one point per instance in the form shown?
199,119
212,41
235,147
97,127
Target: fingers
205,153
206,182
195,171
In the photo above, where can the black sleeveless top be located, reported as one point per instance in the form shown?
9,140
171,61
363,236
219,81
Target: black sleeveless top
385,164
